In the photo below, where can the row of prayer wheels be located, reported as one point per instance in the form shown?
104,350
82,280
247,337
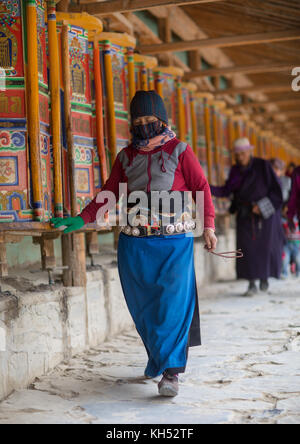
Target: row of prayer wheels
65,90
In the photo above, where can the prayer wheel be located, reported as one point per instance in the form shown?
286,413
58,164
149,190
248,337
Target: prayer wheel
188,89
26,179
116,58
144,66
205,132
81,168
168,84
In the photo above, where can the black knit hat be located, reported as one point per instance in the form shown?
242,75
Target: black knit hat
148,103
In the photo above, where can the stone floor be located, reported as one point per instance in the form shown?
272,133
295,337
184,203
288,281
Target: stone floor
247,371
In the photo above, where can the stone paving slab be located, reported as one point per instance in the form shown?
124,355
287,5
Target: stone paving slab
246,372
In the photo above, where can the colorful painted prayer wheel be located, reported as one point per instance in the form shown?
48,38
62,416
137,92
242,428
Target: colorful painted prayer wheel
168,84
144,66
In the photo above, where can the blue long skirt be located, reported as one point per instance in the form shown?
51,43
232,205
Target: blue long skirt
158,280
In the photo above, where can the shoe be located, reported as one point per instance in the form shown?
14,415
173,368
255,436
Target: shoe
168,386
252,289
264,285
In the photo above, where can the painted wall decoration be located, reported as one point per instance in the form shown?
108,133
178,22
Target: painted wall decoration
14,184
80,58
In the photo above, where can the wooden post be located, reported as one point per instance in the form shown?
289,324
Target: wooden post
99,114
55,108
215,121
112,133
73,245
92,244
181,116
33,109
221,152
231,137
47,252
151,80
159,85
194,124
208,139
3,258
131,73
144,78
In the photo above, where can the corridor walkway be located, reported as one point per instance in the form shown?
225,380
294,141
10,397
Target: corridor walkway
247,371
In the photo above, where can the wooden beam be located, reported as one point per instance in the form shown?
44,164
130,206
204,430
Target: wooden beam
289,113
119,23
254,69
222,42
62,5
266,103
256,88
109,7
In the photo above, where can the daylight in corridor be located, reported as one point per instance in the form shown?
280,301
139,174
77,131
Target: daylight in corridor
149,214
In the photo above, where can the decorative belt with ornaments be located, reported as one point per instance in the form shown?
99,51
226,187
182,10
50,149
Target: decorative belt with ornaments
167,230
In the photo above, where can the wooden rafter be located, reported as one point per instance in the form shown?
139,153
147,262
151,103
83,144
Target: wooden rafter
222,42
288,113
266,103
109,7
253,69
255,88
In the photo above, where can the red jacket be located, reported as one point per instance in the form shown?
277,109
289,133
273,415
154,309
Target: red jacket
172,167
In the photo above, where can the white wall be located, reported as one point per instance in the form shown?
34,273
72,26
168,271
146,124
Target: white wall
39,329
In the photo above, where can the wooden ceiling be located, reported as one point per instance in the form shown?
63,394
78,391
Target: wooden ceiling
212,19
239,17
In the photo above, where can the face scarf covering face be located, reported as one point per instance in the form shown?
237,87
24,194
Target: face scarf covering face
151,135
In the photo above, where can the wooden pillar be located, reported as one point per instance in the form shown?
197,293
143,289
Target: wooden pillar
195,60
159,86
231,137
33,109
194,124
47,252
259,146
215,120
165,34
3,257
99,114
181,116
151,80
112,133
73,245
74,257
221,151
208,139
144,78
92,244
131,73
55,108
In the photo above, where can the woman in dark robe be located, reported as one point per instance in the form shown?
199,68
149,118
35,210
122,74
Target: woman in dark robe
257,201
294,202
156,263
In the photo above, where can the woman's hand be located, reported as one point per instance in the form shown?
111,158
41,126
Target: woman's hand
210,239
72,223
256,210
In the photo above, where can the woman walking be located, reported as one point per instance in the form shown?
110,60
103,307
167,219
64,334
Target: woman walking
155,261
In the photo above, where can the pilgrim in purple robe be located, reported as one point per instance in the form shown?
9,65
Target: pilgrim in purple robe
256,200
